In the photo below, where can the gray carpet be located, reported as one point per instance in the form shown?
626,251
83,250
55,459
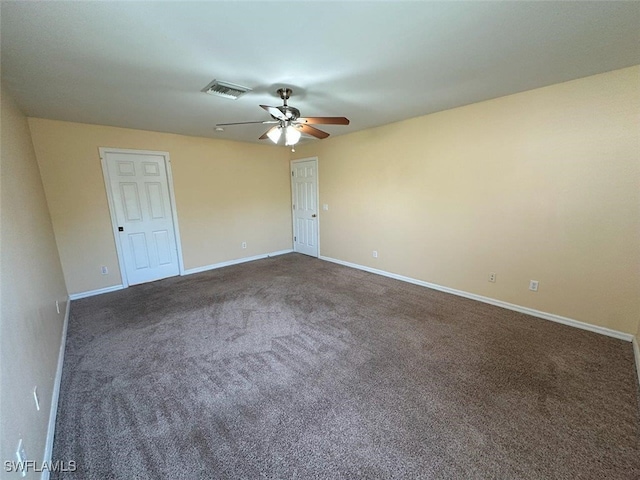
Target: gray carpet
291,367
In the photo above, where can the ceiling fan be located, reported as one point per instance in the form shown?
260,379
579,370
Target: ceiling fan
288,120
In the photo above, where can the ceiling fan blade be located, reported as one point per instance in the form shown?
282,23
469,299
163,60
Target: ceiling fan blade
266,134
324,120
309,130
244,123
275,112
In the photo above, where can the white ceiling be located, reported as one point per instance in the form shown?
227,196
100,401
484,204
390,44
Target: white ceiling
143,64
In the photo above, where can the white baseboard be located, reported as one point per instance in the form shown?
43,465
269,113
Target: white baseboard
53,411
228,263
636,352
499,303
115,288
91,293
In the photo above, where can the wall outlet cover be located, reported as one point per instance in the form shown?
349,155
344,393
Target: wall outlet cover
35,397
21,456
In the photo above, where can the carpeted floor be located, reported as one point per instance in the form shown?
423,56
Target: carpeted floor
291,367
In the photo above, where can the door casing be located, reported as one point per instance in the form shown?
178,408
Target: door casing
112,212
293,219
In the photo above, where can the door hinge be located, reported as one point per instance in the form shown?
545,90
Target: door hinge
292,174
295,239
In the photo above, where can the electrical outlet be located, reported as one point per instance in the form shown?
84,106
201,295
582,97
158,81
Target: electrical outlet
533,285
375,254
492,277
35,397
21,456
104,270
244,244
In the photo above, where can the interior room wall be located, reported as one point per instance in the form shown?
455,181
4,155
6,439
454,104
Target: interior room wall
540,185
31,281
226,193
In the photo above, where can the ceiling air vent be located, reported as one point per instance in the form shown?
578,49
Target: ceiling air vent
225,89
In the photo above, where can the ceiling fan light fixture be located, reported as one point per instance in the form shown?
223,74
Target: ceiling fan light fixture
292,135
274,134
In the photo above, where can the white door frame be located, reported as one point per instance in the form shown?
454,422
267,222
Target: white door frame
293,219
112,211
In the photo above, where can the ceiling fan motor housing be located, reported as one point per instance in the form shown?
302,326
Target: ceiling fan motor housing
291,113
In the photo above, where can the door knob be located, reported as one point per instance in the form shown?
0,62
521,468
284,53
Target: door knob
313,216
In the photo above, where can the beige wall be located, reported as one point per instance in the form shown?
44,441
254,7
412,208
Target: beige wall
539,185
226,193
30,283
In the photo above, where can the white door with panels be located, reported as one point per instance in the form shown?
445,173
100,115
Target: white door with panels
304,187
142,213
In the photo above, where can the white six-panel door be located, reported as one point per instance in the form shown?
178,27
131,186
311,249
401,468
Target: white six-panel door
304,187
142,210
